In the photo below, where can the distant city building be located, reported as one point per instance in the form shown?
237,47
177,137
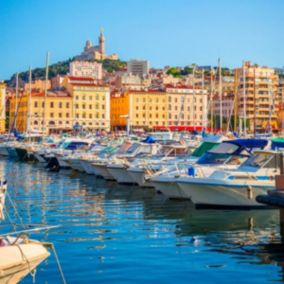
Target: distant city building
187,106
2,106
39,85
173,106
259,99
92,52
138,67
227,105
86,69
57,81
90,103
33,115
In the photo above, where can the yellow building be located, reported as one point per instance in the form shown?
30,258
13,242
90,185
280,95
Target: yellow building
90,103
143,109
2,106
149,109
34,117
187,106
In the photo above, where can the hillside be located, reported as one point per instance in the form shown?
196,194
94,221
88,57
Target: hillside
62,68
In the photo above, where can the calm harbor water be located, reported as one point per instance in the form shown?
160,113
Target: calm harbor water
111,233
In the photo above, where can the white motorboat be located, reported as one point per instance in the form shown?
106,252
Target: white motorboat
226,156
142,171
118,167
234,188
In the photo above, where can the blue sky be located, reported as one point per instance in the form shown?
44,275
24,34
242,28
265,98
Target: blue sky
166,32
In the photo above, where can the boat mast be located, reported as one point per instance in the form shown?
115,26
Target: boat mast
236,87
203,95
211,98
220,94
271,103
254,100
45,92
16,99
193,97
244,100
29,102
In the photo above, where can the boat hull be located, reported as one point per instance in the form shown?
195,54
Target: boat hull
138,175
120,174
168,187
17,261
102,170
86,165
212,193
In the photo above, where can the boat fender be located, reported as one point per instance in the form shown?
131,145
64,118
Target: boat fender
250,192
191,171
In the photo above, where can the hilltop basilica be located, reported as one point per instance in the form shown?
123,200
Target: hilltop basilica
97,52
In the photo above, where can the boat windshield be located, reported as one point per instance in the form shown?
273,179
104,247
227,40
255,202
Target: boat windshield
132,148
212,158
224,148
258,160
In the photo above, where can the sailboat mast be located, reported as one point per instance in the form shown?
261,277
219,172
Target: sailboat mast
16,99
204,108
45,92
220,94
236,87
211,99
244,99
29,101
193,97
254,102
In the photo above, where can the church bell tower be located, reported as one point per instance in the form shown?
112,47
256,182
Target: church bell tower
102,42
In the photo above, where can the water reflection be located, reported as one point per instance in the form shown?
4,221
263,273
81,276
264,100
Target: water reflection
111,232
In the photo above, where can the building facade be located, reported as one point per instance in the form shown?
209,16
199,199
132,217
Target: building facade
159,108
90,103
40,113
138,67
187,106
257,96
141,109
86,69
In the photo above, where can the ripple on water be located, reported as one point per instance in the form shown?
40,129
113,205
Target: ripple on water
111,233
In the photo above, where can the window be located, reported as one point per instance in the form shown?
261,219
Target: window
60,105
51,114
67,105
90,115
42,104
67,114
90,98
77,97
60,115
51,104
90,106
36,104
83,106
